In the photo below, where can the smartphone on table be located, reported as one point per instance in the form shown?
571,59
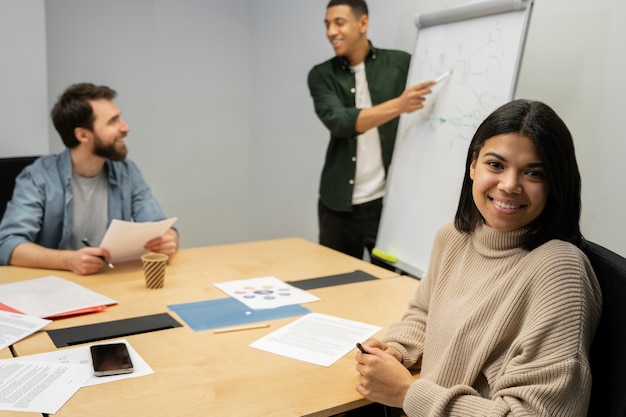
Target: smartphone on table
111,359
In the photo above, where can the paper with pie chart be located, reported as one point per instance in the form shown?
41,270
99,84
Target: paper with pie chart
265,292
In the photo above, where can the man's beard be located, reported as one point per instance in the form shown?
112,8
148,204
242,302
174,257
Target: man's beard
109,151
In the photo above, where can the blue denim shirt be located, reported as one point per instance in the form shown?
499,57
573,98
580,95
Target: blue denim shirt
41,208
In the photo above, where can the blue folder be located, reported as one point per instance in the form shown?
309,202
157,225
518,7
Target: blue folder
224,312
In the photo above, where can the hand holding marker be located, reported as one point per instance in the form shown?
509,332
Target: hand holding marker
443,76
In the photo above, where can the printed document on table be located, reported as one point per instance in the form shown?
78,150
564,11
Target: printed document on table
39,386
126,240
82,356
265,292
14,327
44,382
316,338
50,296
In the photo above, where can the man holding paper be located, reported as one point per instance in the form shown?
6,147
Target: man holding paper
64,200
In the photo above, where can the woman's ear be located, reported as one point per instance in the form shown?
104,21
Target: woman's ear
472,169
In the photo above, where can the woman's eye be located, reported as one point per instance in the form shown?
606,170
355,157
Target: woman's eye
535,174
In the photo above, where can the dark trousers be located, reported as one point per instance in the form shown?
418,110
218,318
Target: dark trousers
374,410
351,232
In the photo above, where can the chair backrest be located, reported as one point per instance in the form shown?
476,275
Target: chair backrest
9,169
608,350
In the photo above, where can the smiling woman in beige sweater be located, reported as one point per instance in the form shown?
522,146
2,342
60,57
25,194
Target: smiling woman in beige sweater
502,322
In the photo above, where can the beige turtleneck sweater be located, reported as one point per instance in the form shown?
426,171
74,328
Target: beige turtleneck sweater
498,330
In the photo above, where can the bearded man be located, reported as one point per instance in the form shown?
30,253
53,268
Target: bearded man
62,200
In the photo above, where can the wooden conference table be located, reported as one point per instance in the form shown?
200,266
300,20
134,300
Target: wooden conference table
199,373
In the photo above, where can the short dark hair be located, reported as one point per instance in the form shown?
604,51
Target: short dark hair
73,109
359,7
538,122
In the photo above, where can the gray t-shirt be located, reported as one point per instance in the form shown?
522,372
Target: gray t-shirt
90,209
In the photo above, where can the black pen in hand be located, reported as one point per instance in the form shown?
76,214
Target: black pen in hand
86,243
361,348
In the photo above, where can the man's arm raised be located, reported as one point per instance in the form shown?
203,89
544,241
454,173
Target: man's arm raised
410,100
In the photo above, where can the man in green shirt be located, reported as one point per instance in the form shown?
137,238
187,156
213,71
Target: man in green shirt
359,95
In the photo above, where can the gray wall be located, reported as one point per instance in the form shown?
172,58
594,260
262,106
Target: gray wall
575,62
223,127
23,78
183,73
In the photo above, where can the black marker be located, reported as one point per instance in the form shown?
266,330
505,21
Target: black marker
86,243
361,348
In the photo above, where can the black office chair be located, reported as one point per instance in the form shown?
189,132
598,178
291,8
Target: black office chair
608,350
9,169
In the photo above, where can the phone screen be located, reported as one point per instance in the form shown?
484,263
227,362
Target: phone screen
111,359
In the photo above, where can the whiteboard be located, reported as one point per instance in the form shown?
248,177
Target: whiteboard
482,44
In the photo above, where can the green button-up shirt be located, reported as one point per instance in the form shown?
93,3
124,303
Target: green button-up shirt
332,86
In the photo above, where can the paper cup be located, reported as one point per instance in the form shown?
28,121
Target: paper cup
154,269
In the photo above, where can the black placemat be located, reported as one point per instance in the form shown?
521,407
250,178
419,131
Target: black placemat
112,329
329,281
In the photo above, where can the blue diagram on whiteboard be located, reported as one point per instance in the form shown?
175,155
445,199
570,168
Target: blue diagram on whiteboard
482,66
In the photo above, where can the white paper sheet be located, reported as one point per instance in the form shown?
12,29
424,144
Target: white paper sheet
49,296
39,386
265,292
44,382
316,338
126,240
82,355
14,327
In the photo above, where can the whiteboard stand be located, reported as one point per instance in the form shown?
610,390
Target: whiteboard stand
482,44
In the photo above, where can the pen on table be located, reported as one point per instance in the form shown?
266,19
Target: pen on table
361,348
109,264
238,328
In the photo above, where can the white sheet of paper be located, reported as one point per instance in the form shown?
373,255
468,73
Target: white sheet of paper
14,327
316,338
39,386
47,296
265,292
44,382
82,356
126,240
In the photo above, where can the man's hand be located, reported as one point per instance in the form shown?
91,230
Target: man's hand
166,244
413,97
410,100
86,261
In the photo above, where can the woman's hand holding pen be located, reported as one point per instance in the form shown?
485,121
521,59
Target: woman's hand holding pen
382,376
375,343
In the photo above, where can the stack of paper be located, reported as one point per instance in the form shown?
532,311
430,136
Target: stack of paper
50,297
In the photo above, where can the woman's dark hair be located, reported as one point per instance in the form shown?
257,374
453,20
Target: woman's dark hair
553,140
73,109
